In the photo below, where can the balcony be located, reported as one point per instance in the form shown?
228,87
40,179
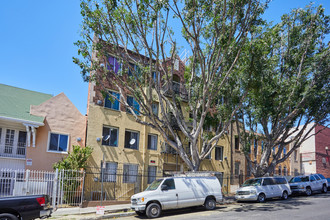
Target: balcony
177,88
9,150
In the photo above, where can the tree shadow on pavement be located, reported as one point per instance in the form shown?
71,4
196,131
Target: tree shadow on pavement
178,212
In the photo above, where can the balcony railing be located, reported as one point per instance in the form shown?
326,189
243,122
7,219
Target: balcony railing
177,88
9,150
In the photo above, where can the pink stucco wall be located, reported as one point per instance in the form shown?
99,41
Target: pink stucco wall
61,116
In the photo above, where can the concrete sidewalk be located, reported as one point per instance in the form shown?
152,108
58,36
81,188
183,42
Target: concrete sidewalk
112,211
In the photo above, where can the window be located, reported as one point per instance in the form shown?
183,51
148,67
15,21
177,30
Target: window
312,178
219,153
112,101
296,155
248,171
58,142
262,146
152,172
132,140
21,145
279,170
134,69
110,136
296,173
267,182
284,151
154,77
134,104
255,147
130,173
109,172
285,171
113,64
154,107
152,142
316,177
169,183
236,143
237,163
9,141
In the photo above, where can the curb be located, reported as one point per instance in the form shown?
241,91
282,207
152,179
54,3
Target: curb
107,216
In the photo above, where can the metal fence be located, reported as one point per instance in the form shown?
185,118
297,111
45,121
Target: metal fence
64,187
68,188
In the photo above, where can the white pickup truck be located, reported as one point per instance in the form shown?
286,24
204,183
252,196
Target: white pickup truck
308,184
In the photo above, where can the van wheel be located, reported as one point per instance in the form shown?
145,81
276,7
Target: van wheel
285,195
324,189
308,191
261,197
153,210
7,216
140,213
210,204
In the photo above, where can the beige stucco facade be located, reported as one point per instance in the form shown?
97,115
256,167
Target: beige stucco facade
61,117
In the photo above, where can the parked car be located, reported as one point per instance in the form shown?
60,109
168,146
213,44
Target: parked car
307,184
328,179
177,192
25,207
260,189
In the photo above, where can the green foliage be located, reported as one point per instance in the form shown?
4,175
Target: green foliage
289,78
76,159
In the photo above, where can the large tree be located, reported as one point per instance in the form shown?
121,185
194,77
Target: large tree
289,66
144,37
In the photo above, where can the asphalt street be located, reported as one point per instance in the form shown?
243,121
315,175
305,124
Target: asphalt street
298,207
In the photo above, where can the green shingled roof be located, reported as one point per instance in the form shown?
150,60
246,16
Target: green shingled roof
15,103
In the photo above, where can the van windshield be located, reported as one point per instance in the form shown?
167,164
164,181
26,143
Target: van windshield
154,185
252,182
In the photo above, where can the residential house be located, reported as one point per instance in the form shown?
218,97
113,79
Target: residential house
37,129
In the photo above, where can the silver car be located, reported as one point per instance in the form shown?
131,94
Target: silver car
260,189
308,184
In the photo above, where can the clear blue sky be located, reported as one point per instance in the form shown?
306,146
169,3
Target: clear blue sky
37,39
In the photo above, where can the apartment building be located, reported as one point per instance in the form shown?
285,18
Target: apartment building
132,155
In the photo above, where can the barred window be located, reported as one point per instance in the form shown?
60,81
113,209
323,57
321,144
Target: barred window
152,172
130,173
109,172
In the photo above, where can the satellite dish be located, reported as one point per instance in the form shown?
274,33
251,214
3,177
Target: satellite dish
106,137
132,141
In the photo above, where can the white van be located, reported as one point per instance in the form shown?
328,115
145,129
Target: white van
177,192
260,189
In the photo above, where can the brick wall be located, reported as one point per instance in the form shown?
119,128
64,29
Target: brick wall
322,140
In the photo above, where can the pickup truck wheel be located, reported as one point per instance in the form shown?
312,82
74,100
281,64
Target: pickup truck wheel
285,195
7,216
308,191
153,210
324,189
210,204
140,213
261,198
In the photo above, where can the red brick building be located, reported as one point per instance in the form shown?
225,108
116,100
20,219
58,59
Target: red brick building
315,152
